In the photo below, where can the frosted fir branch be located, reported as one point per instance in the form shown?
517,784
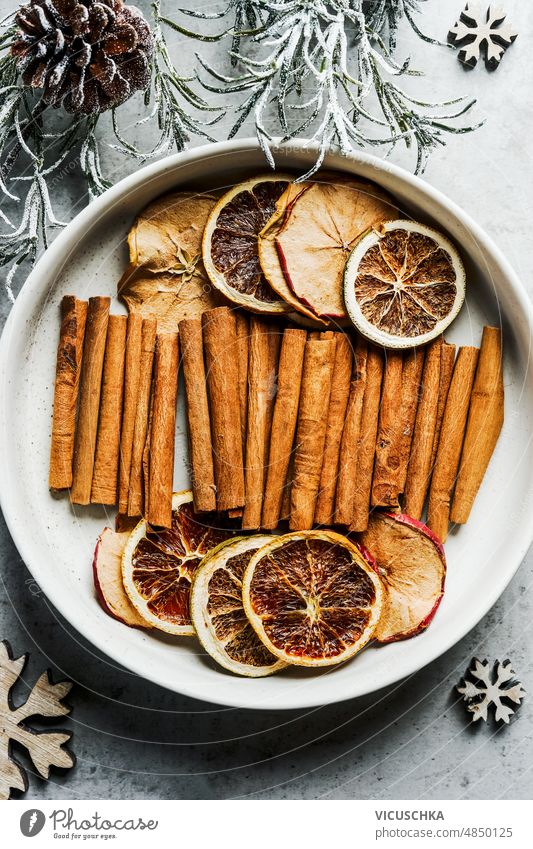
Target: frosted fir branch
32,153
171,101
325,59
249,18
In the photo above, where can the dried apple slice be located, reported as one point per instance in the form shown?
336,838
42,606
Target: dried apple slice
268,254
107,575
318,235
166,278
410,561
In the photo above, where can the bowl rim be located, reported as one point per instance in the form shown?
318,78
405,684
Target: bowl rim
89,217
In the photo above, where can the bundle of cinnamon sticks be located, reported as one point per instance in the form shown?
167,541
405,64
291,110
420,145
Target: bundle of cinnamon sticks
321,428
114,410
312,428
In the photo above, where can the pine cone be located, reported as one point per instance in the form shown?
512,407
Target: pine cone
88,56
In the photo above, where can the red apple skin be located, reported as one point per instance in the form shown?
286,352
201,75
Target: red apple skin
414,523
368,557
100,594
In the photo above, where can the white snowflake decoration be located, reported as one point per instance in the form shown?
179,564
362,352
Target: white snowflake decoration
476,32
496,688
46,748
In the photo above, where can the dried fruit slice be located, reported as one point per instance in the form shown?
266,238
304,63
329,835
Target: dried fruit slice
230,249
218,614
404,284
312,598
158,566
268,253
411,563
107,576
318,234
165,278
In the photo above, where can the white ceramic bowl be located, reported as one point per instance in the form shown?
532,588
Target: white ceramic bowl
57,542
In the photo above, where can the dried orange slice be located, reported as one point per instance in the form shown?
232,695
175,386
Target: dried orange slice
312,598
218,614
230,249
158,566
319,232
404,284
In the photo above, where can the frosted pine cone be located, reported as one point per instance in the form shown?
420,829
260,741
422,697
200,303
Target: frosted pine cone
88,56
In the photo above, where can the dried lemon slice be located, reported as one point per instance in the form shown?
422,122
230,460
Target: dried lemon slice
312,598
218,614
410,561
404,283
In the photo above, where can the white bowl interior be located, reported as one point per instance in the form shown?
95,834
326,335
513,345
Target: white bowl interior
57,541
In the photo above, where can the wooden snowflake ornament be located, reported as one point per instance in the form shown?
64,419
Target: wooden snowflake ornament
485,687
478,33
46,748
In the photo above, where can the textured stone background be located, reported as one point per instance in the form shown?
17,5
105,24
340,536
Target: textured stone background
134,740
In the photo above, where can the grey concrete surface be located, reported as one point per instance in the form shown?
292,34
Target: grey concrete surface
133,740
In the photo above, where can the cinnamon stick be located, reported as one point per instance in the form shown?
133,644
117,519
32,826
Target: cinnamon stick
447,360
485,420
387,461
146,452
242,329
91,382
367,440
163,428
451,441
105,473
199,427
286,500
274,347
413,364
68,370
311,430
351,434
220,344
419,470
259,401
136,494
338,402
284,421
131,393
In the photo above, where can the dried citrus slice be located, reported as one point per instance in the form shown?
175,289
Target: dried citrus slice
158,566
410,560
318,234
404,284
230,250
312,598
218,614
